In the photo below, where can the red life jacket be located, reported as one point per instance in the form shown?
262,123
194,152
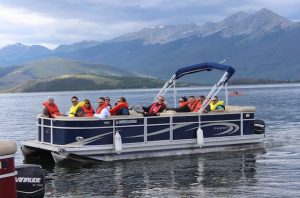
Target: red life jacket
119,106
53,110
104,105
155,108
88,112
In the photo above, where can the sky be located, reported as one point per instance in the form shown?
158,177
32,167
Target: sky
55,22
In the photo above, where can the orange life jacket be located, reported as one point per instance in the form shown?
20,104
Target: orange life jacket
53,110
104,105
193,105
182,104
88,112
155,108
119,106
198,107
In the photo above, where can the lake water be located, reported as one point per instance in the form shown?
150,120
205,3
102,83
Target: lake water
270,172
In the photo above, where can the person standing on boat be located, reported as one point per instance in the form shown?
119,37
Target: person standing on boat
51,109
76,108
103,108
216,105
121,107
88,110
156,108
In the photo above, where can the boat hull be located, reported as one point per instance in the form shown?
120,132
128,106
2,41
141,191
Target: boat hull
164,135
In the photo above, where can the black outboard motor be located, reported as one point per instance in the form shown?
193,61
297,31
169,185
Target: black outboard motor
259,126
30,181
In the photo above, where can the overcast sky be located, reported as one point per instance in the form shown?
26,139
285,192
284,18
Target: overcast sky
54,22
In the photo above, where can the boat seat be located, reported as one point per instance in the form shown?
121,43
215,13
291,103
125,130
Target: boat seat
7,147
230,108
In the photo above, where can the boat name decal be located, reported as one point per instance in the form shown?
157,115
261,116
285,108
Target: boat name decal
28,179
223,128
126,122
106,122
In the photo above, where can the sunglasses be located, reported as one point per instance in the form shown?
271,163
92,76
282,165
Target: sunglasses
74,101
107,99
214,100
180,101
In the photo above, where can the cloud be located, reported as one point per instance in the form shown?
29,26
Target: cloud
54,22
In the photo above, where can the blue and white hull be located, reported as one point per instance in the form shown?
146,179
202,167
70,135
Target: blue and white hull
140,137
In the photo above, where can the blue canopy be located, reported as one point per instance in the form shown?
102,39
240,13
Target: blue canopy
204,67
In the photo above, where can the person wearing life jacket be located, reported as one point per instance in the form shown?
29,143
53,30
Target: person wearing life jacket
201,99
51,109
88,110
156,108
216,105
103,108
107,100
76,108
192,103
183,105
120,108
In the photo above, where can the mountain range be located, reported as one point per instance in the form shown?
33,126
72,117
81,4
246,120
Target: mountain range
262,45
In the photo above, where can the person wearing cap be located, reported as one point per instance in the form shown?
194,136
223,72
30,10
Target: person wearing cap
50,110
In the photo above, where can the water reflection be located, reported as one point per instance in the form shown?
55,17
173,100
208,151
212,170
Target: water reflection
178,176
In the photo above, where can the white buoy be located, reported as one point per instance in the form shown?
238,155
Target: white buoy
118,142
200,139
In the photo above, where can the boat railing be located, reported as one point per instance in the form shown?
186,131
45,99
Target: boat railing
112,124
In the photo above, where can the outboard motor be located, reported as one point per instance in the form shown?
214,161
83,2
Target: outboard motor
259,126
30,181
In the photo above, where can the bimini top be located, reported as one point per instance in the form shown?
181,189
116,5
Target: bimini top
204,67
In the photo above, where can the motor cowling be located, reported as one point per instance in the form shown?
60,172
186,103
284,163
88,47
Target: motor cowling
30,181
259,126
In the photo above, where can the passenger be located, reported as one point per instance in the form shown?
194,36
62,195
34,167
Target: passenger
107,100
76,108
216,105
103,109
192,103
51,109
201,99
156,108
183,105
121,107
88,110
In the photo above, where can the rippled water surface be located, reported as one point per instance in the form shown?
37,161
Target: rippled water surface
270,172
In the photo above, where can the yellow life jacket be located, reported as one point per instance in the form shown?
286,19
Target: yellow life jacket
214,106
73,109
